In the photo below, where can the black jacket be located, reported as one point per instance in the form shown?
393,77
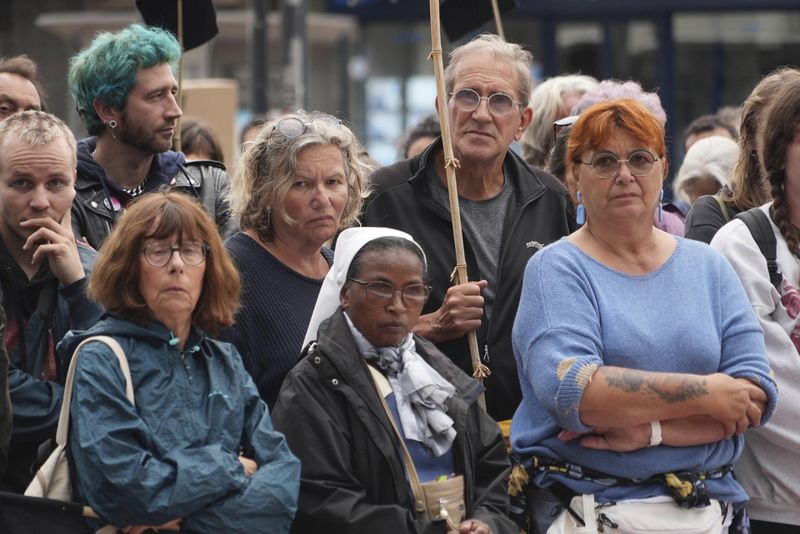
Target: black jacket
37,403
536,217
352,478
93,213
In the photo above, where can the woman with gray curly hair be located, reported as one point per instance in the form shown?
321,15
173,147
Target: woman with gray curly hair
299,182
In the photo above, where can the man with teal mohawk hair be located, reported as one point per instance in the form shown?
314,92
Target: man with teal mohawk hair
125,91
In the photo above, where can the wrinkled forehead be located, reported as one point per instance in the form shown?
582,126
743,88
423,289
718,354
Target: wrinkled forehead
153,78
57,153
174,226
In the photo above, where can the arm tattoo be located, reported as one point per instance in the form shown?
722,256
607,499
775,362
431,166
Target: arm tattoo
668,389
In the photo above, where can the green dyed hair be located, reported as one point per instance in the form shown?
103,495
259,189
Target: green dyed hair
106,69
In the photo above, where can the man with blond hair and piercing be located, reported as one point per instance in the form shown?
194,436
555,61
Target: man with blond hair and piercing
43,275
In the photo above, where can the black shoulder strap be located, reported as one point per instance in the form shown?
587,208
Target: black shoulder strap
761,230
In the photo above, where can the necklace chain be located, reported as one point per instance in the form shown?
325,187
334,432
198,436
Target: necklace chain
131,192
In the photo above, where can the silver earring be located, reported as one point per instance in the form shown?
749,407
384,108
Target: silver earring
113,124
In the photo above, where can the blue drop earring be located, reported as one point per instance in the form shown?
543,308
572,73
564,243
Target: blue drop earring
580,216
660,207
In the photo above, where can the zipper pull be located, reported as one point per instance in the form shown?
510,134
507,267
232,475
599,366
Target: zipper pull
486,352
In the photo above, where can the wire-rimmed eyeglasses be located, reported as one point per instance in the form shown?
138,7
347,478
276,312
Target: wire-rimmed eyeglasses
468,100
382,292
292,127
159,253
606,165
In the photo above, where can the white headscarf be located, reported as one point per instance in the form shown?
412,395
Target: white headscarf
420,391
347,246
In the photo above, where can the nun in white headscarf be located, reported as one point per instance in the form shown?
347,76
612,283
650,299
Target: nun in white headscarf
367,386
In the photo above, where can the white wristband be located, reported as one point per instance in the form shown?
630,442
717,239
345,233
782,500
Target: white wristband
655,433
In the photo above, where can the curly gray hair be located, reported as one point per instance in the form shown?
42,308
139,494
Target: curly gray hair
269,164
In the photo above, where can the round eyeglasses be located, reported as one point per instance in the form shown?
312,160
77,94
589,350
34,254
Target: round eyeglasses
291,127
382,292
468,100
606,165
158,254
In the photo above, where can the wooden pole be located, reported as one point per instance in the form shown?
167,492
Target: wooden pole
177,137
497,22
479,370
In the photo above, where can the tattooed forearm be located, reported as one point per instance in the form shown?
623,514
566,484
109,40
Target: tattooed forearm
627,380
684,390
669,389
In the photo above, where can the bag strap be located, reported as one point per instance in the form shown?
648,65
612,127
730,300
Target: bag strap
760,228
723,207
63,420
384,388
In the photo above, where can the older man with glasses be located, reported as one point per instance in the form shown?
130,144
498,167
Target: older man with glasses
508,211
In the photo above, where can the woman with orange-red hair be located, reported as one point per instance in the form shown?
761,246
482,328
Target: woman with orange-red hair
641,362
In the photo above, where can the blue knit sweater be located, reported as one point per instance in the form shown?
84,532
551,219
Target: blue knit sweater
277,303
690,315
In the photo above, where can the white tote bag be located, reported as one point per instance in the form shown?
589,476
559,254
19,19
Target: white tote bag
52,479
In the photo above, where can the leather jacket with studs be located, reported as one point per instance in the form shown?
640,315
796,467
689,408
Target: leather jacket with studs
99,201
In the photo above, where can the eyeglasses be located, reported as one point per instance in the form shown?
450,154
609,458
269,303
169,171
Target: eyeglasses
606,165
159,253
468,100
382,292
291,127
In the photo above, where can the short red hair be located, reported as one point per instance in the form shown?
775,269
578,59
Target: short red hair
596,126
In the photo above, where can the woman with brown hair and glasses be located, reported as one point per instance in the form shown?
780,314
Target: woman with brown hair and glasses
388,412
640,360
197,451
299,182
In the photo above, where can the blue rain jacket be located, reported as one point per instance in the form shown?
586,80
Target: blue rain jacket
176,453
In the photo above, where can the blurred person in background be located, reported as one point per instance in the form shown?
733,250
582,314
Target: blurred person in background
21,89
706,168
419,136
551,100
200,142
413,142
749,188
706,126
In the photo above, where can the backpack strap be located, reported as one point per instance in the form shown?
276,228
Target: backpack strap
760,228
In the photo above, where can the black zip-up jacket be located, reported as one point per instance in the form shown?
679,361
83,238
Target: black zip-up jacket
93,213
352,473
537,215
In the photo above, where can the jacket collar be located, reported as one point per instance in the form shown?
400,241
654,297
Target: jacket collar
336,341
165,167
523,178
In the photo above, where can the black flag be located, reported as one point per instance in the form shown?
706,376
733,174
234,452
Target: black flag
459,17
199,19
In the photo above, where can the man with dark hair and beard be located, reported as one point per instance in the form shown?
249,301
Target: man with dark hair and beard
125,90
